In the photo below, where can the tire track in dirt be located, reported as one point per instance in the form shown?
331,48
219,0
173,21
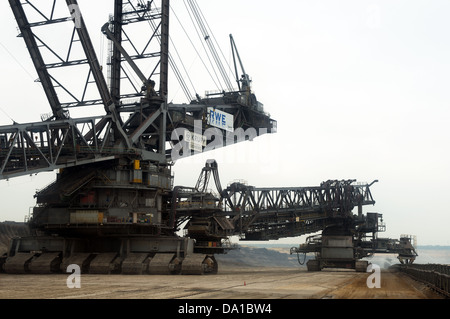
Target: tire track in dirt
394,285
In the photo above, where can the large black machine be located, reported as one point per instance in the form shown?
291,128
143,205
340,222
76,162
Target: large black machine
113,207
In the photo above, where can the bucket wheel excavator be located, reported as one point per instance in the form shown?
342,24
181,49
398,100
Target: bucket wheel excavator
110,209
113,207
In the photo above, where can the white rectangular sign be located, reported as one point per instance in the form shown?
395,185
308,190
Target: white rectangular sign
220,119
195,141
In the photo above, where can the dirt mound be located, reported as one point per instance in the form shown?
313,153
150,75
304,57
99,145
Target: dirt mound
258,257
9,230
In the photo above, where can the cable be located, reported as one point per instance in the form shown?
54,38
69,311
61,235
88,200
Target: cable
18,62
217,44
218,84
304,258
172,63
208,42
207,34
195,49
4,112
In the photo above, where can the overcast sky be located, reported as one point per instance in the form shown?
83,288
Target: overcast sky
360,90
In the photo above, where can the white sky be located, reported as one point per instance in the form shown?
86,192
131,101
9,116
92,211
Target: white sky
360,90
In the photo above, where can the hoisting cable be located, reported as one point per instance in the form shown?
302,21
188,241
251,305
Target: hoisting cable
218,83
217,44
207,35
18,62
178,54
196,51
172,63
4,112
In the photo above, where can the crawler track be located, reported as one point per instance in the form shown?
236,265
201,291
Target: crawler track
10,230
140,258
110,263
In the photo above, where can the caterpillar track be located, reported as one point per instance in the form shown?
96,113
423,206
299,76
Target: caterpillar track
110,263
10,230
133,256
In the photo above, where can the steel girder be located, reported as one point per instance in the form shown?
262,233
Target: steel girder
46,146
271,213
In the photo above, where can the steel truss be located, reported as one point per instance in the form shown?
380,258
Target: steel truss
280,212
60,141
126,13
46,146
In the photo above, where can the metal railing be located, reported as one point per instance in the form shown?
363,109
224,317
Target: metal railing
434,275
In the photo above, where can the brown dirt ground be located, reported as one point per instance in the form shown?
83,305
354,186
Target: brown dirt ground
230,283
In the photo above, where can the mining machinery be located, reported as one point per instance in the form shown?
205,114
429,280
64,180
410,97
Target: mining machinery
113,207
263,214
